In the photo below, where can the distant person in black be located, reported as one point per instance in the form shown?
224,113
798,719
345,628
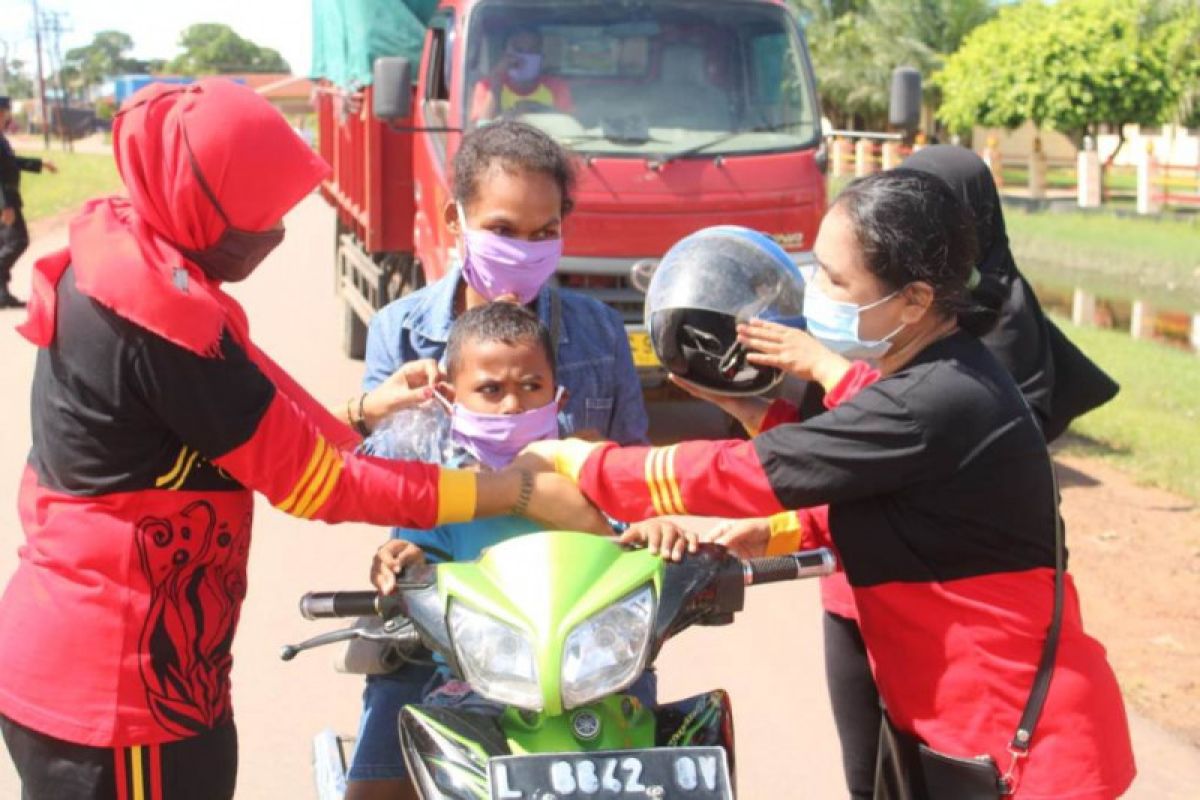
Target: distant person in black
14,236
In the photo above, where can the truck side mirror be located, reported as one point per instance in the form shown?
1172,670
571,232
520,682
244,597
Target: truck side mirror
392,94
904,108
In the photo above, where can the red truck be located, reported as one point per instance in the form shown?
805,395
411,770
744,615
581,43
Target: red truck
684,114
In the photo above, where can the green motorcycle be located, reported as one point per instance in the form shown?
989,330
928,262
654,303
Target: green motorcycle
552,628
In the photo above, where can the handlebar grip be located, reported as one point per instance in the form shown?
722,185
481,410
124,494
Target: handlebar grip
805,564
320,605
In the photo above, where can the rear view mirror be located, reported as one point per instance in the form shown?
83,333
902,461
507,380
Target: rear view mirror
904,108
392,93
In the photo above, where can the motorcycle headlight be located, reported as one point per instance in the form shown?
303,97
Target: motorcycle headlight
607,652
496,658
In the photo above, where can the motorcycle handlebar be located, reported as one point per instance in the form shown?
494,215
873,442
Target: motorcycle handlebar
321,605
793,566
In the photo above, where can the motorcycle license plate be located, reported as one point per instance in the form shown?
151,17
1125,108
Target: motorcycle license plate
665,773
642,350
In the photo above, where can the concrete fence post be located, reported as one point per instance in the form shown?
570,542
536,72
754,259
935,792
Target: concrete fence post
1088,176
1141,320
863,164
1083,307
1148,199
841,157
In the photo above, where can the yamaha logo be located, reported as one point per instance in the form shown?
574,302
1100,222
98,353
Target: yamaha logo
586,725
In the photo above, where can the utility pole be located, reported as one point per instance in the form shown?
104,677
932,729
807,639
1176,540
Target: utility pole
4,68
37,37
54,30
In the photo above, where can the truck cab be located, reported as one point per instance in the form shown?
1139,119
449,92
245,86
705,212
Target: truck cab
684,114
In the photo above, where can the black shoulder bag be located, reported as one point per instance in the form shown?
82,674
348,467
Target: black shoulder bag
908,769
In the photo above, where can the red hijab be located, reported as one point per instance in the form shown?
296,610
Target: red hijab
126,251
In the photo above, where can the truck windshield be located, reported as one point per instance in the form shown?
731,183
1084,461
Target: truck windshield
660,78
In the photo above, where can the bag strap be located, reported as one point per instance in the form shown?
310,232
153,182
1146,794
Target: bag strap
1021,741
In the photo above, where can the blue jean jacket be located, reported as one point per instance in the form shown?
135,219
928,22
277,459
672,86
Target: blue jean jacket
594,362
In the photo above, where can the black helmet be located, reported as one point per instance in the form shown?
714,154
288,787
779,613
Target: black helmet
703,287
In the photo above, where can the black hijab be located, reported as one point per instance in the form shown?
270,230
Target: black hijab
1057,379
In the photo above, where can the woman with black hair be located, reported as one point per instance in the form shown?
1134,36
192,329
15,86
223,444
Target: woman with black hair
939,491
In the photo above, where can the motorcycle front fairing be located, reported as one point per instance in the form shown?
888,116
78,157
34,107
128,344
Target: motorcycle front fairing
448,751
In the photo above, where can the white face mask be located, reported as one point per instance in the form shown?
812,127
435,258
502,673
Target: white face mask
835,324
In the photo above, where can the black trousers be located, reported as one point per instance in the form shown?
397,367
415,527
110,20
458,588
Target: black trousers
203,767
14,239
855,701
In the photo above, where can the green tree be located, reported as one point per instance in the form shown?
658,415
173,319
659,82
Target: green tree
102,59
856,44
15,81
1071,66
213,48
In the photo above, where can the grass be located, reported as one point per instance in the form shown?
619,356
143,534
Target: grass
1152,429
1162,253
80,177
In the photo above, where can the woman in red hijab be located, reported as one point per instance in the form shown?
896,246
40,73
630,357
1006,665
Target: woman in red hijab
154,416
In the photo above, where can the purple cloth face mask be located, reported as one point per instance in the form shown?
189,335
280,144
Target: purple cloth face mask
527,68
496,439
495,265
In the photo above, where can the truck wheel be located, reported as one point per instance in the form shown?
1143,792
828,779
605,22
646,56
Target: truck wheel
354,334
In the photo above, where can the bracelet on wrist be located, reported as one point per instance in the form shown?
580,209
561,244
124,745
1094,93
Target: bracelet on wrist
360,424
525,495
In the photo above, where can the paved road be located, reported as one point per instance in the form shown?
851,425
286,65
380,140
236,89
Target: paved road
770,660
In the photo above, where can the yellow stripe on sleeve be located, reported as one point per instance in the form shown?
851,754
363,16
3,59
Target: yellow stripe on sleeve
672,484
187,470
652,480
326,488
317,454
786,532
163,480
457,490
314,486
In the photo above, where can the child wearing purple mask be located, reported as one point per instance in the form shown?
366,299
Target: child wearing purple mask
512,193
501,394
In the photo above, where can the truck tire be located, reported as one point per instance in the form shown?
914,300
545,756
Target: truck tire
354,333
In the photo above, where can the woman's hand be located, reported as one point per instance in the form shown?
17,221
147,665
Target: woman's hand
745,538
662,537
792,350
408,386
749,411
390,559
550,499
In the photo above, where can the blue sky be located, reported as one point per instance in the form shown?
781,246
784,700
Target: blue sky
155,24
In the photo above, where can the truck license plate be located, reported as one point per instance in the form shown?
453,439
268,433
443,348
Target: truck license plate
665,773
643,351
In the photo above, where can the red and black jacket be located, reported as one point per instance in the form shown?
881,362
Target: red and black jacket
940,503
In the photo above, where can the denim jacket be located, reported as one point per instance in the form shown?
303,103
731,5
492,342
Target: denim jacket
594,362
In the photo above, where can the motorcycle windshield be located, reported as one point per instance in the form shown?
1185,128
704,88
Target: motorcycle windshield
659,78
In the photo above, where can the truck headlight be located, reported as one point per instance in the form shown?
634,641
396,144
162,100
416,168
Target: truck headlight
606,652
496,658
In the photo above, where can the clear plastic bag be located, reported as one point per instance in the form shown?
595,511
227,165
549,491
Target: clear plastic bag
421,433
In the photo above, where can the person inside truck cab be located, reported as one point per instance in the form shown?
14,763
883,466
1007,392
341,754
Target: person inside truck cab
517,83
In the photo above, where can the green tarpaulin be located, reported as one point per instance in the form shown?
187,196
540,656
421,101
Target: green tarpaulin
348,35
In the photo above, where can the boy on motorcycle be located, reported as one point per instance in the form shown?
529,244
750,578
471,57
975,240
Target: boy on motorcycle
501,395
